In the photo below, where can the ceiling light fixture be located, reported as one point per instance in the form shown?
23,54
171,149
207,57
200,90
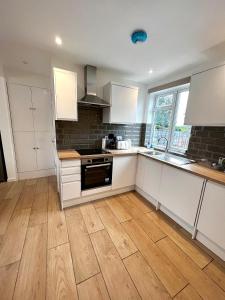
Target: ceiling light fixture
58,40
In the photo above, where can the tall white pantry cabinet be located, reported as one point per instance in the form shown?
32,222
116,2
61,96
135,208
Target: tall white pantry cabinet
31,115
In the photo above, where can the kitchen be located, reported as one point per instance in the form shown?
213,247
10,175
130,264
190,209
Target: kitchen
112,160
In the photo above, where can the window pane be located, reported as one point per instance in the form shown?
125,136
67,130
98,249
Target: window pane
181,132
161,127
164,100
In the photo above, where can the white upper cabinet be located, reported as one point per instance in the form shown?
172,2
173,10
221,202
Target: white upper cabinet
21,107
65,90
206,103
123,101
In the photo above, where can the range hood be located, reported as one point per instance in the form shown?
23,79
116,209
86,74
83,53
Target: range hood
90,98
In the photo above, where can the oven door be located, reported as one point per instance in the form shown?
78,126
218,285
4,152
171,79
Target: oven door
96,175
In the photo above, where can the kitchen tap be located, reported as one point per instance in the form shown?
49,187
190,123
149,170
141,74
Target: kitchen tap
167,142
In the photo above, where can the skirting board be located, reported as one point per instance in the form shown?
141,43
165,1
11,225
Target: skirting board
211,245
36,174
165,210
89,198
146,196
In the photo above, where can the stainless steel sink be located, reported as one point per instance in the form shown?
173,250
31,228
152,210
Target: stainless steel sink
170,158
154,152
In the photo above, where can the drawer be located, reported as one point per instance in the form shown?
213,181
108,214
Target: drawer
70,163
69,178
70,190
70,170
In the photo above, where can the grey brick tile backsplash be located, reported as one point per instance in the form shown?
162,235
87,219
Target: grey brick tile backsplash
207,142
89,131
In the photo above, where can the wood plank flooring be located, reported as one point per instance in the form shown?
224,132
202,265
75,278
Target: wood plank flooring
114,248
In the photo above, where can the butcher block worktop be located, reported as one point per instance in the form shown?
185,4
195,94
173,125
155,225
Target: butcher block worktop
68,154
73,154
193,168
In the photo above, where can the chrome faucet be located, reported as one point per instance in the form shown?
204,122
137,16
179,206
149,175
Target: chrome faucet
167,142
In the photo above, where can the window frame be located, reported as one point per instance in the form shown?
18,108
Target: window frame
174,108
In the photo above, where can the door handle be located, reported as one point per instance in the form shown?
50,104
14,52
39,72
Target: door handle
96,166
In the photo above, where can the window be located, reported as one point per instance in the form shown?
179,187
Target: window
168,120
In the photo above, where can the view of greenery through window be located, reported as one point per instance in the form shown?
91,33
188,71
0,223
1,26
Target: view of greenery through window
168,121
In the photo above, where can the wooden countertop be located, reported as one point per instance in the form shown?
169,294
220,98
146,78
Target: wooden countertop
193,168
196,169
73,154
131,151
68,154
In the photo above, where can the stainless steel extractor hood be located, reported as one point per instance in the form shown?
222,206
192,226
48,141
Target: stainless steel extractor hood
90,98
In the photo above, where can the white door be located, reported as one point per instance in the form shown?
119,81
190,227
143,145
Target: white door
21,107
42,109
25,153
152,178
124,104
124,171
212,216
45,156
65,88
180,193
140,171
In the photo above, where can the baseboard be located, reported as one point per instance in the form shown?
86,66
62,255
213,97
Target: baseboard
211,245
11,179
165,210
146,196
36,174
102,195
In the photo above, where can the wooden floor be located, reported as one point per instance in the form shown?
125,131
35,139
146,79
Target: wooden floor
115,248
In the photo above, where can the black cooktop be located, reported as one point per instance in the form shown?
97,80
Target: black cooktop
92,151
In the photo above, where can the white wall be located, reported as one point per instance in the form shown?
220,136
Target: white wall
6,132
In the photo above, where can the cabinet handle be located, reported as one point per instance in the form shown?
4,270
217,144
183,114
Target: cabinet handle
32,108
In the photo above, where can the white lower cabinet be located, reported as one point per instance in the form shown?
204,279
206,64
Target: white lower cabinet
152,178
124,171
180,193
141,166
69,179
211,221
71,190
148,176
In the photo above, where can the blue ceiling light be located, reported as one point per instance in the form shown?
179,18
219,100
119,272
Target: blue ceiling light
139,36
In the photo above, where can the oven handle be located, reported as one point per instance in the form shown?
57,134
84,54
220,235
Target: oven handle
96,166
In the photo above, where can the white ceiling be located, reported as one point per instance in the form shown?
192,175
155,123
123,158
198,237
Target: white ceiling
181,33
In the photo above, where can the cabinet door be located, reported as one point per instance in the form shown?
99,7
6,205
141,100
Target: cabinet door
21,107
65,88
206,103
152,178
141,164
212,216
180,193
45,156
70,190
124,104
42,109
25,153
124,171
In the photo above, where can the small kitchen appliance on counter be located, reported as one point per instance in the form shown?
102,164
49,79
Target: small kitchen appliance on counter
123,145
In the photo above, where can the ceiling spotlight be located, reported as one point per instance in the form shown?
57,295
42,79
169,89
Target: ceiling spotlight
58,40
150,71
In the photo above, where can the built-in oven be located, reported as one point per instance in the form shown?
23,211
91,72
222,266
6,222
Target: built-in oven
96,172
